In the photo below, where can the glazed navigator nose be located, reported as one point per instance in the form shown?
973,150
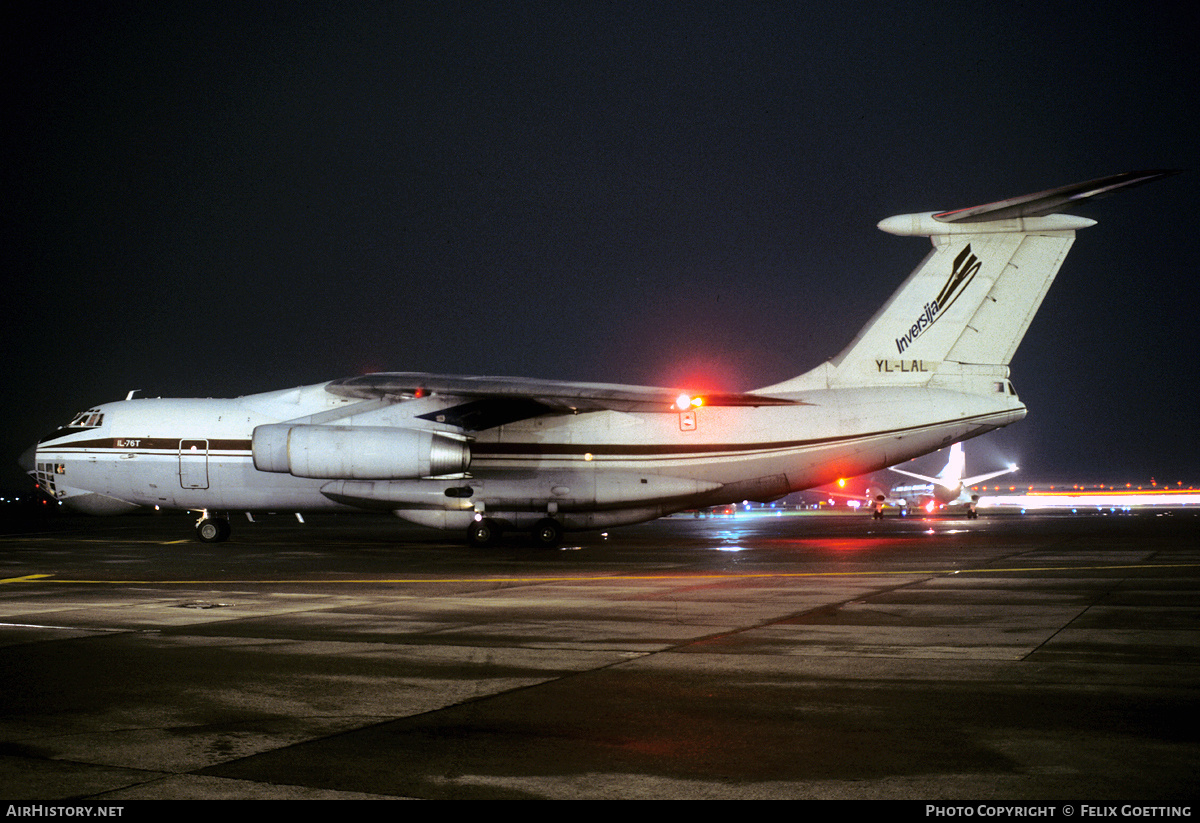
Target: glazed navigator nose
28,460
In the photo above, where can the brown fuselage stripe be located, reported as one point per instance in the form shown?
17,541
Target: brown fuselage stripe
147,444
496,450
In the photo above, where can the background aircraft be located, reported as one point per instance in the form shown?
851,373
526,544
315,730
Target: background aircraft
486,454
948,488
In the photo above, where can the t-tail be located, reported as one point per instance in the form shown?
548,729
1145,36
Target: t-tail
952,474
951,477
958,319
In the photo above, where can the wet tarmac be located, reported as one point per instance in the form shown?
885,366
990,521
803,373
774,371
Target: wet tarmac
1026,659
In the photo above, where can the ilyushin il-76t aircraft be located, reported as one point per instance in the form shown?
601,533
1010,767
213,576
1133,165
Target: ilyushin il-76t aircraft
482,455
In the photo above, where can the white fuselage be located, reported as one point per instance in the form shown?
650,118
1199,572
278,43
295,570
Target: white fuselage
592,469
919,495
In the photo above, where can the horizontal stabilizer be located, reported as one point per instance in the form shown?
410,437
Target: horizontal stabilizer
951,477
979,478
1052,200
966,481
914,475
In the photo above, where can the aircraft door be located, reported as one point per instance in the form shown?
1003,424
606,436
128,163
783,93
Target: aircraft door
193,464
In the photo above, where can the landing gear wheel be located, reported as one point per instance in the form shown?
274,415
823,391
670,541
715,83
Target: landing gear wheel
547,533
483,533
213,530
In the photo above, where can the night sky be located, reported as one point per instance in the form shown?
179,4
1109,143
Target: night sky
210,199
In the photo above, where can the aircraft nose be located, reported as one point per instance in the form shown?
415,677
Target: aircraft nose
28,459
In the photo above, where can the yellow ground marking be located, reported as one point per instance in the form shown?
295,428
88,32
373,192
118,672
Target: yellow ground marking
601,578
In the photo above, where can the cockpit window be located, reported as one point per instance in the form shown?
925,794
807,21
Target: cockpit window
90,419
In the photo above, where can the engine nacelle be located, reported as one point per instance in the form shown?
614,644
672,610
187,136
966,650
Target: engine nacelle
357,452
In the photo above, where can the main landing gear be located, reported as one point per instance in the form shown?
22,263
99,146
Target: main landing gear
547,533
483,532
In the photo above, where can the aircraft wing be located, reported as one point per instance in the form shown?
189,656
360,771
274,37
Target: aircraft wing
979,478
483,402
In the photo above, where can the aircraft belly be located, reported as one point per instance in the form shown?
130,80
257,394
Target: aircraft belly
237,485
808,445
583,490
155,479
571,521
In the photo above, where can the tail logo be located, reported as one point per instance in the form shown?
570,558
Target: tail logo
961,275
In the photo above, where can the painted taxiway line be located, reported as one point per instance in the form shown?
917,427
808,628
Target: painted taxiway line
603,578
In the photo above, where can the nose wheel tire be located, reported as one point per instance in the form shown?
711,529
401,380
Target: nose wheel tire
213,530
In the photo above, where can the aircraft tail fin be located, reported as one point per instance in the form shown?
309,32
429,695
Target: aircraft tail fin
959,317
956,466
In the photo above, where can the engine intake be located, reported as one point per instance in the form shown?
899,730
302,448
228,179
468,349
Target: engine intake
357,452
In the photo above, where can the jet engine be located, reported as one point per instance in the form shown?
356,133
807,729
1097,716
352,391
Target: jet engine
358,452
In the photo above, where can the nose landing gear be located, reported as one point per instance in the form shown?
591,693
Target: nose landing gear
212,529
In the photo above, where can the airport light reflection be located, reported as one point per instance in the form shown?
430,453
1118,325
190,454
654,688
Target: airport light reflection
730,541
1106,499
